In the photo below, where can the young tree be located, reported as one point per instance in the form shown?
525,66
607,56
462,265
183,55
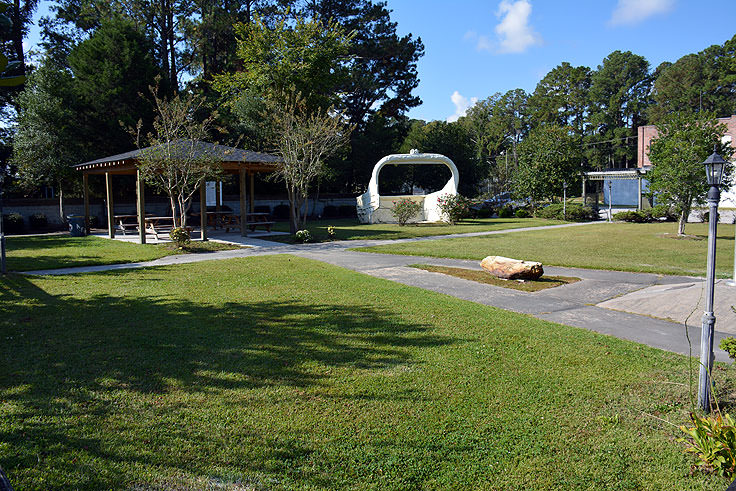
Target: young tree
45,145
548,157
304,138
678,177
175,160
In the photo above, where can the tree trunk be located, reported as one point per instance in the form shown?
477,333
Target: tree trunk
61,205
172,201
683,220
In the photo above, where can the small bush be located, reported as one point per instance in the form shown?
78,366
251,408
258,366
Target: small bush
506,212
453,207
405,209
303,236
13,223
94,221
331,231
180,236
575,212
37,221
713,440
729,346
281,212
330,211
347,211
522,213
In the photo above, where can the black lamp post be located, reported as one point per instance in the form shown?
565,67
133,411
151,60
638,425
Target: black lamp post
714,166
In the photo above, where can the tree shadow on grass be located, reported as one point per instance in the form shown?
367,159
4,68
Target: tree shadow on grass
67,360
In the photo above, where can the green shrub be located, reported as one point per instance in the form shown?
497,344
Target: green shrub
506,212
179,236
574,212
13,223
453,207
522,213
729,346
633,216
37,221
713,440
663,212
483,213
331,231
303,236
405,209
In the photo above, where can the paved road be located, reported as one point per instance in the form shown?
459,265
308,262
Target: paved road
578,304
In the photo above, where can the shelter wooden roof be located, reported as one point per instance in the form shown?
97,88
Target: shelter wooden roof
233,159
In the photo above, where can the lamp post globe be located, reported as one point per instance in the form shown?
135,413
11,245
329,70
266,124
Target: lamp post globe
714,166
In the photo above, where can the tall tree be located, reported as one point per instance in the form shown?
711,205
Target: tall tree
112,70
382,65
678,177
705,81
162,21
451,140
619,95
561,97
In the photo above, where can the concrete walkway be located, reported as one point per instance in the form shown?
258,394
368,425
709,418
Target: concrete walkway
631,306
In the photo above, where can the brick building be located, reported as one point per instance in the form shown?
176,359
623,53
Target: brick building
647,133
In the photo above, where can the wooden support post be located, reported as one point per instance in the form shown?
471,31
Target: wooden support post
85,182
584,195
110,207
252,194
243,204
141,206
640,206
218,198
203,209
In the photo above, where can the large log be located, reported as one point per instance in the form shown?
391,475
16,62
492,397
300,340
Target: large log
512,269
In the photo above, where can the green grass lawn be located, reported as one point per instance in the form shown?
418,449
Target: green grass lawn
350,229
641,247
61,251
261,373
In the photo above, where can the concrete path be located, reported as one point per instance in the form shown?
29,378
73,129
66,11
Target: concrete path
631,306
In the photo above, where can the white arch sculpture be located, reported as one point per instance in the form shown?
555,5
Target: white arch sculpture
374,208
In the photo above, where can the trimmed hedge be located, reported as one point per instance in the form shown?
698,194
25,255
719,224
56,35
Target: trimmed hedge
13,223
38,221
574,212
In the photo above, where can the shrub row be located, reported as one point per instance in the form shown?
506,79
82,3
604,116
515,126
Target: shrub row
574,212
656,213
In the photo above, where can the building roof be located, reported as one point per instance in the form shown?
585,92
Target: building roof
232,155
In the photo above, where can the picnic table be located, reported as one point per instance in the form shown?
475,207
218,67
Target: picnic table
254,220
126,222
160,225
215,218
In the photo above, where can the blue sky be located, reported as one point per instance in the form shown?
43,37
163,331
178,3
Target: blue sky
474,48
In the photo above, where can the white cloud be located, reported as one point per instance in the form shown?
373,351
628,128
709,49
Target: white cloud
629,12
514,32
462,104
